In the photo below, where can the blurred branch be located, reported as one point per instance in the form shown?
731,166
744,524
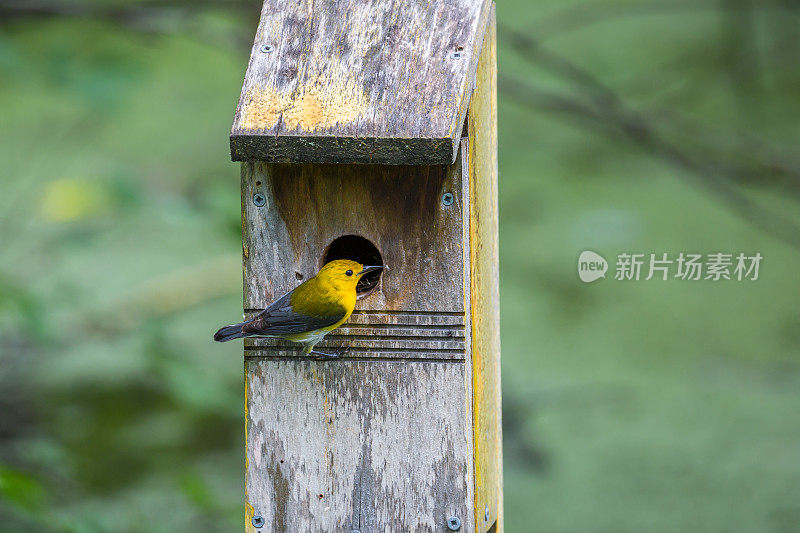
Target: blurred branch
714,175
157,17
600,105
771,161
39,9
531,50
755,159
140,16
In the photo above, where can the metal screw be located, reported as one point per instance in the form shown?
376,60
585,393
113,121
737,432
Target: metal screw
486,514
456,55
453,523
258,521
267,48
259,200
448,198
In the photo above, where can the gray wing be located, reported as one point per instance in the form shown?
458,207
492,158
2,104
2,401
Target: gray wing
279,319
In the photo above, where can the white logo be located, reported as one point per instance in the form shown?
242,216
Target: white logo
591,266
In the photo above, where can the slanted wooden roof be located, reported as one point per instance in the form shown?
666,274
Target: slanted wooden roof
359,81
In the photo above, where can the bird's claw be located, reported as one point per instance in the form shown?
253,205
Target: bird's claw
322,356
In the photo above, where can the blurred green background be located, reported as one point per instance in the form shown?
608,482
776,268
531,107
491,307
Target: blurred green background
648,126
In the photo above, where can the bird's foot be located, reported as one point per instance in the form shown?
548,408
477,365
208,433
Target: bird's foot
322,356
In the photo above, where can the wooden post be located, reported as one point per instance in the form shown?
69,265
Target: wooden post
367,130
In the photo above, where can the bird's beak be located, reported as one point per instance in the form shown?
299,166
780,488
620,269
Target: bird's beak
368,269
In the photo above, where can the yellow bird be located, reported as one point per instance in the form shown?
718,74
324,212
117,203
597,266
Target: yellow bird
310,311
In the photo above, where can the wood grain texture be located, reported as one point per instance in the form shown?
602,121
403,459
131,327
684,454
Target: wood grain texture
485,314
384,434
342,446
398,209
367,81
387,438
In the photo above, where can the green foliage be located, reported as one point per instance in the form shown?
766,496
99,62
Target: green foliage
20,490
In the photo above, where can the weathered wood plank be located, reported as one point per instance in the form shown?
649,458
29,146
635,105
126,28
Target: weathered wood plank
336,81
362,425
484,278
399,209
387,438
368,446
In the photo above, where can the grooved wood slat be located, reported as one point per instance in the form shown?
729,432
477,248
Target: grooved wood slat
392,335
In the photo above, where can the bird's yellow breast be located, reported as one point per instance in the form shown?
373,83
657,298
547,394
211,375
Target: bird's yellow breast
319,297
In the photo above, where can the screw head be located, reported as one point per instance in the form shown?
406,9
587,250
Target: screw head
453,523
258,521
448,198
267,48
259,200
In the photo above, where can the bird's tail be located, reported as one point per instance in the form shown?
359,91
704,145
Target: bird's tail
228,333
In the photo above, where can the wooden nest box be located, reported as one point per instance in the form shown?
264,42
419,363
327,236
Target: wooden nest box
367,131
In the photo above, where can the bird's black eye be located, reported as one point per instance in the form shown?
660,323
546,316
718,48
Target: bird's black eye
349,272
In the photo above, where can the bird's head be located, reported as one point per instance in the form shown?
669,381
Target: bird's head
345,274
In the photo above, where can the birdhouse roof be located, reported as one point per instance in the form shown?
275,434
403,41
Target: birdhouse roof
359,81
